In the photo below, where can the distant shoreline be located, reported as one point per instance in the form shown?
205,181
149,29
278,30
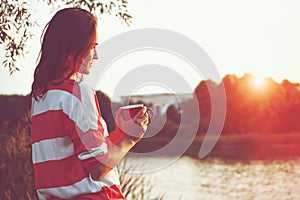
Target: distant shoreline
236,147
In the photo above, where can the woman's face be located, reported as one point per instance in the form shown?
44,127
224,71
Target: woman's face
86,65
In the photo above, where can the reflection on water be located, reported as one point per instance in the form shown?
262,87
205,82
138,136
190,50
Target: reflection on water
189,179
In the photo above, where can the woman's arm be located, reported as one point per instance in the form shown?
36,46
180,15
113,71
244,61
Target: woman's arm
114,155
129,133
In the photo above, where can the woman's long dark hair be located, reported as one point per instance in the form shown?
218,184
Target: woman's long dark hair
66,40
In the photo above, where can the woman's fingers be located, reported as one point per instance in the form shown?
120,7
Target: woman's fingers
140,114
136,126
142,117
143,121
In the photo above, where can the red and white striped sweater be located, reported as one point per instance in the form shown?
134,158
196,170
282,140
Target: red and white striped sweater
69,138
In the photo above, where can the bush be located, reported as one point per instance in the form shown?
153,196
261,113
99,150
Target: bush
16,170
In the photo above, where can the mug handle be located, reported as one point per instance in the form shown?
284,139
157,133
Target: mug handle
150,114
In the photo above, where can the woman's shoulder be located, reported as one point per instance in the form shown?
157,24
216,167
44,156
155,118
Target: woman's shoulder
84,87
87,93
65,85
71,88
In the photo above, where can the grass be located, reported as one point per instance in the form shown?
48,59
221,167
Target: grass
135,186
16,170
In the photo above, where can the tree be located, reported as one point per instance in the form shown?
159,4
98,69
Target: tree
16,22
173,114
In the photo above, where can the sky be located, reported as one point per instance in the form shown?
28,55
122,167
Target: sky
260,37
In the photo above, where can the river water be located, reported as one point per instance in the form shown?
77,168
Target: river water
214,179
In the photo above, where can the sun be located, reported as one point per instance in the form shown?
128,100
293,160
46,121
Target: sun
259,81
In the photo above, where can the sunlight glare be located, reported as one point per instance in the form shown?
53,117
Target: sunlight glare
259,81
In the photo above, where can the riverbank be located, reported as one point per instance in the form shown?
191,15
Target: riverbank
234,147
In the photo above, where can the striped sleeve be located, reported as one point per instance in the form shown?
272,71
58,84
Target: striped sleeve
88,132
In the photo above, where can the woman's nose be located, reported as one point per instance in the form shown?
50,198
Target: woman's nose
95,56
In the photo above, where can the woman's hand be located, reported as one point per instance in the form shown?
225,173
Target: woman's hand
134,130
135,127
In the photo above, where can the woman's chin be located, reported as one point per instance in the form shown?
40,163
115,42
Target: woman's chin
85,71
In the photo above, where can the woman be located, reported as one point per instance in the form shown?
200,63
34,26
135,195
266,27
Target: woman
73,155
